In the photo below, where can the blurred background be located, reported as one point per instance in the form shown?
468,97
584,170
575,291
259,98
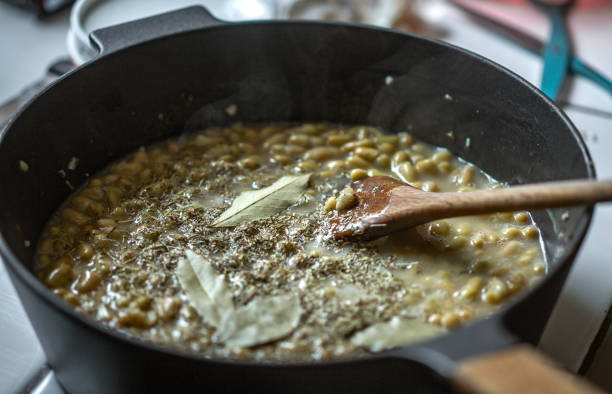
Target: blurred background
42,39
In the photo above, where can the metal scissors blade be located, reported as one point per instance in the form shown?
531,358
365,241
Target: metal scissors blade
576,66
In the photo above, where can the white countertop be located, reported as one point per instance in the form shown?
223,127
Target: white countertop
28,46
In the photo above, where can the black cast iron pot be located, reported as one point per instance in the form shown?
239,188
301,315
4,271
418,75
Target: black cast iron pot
160,76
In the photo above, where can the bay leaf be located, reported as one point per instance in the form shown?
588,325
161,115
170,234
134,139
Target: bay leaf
262,320
207,291
393,333
263,203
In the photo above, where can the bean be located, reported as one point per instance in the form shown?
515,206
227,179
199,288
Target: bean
140,156
440,227
375,172
113,196
358,174
435,318
278,148
505,216
307,165
281,159
430,186
95,182
118,213
346,199
415,158
457,242
251,162
420,148
511,232
75,216
330,204
142,302
516,282
464,228
441,156
317,141
335,165
405,140
136,318
539,268
471,288
84,251
87,281
477,240
339,140
408,172
509,249
59,276
251,135
445,167
106,223
168,308
245,147
521,218
387,148
530,232
400,157
46,246
300,140
269,130
466,176
326,174
383,160
496,291
294,150
111,178
81,203
426,166
276,139
387,139
365,143
356,162
368,154
524,259
450,320
321,153
309,128
202,141
491,237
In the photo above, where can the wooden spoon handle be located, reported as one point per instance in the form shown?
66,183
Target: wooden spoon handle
532,196
519,369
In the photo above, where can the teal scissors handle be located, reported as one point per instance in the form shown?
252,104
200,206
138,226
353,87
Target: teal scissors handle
578,67
557,51
556,56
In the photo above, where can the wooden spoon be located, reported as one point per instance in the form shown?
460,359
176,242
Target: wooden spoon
386,205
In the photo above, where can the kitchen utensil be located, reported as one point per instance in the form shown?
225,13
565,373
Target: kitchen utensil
576,65
386,205
557,50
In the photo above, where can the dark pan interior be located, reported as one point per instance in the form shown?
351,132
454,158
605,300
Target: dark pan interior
291,72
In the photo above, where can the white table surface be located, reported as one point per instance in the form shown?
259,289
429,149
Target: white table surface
27,46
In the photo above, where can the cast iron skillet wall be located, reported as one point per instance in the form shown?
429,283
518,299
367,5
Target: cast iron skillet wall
275,71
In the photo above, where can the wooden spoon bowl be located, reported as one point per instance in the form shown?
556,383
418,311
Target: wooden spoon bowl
386,205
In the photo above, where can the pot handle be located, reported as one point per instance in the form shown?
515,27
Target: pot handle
114,38
518,369
488,359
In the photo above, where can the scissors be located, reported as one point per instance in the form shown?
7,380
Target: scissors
559,60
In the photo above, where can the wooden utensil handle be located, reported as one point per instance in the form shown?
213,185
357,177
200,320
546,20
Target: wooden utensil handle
541,195
519,369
